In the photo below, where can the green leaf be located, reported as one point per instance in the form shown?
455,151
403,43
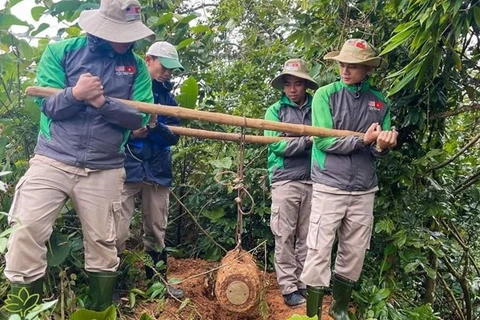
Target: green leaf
185,20
145,316
399,38
476,15
83,314
58,249
405,80
6,232
214,214
132,299
42,27
3,245
25,50
73,31
164,18
184,43
224,163
37,12
64,6
385,225
39,308
7,20
411,266
200,28
230,24
188,93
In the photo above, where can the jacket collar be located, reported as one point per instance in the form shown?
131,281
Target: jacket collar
101,45
162,86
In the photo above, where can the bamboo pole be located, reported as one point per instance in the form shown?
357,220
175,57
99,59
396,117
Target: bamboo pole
224,136
215,117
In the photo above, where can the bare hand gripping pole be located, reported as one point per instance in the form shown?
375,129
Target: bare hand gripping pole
220,118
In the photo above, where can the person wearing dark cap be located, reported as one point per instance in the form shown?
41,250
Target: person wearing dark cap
344,177
80,149
289,175
149,166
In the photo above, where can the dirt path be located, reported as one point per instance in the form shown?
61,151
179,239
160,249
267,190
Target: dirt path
198,284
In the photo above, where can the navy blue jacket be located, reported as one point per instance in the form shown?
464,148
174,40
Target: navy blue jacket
149,159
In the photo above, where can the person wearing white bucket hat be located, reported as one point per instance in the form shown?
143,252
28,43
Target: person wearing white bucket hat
289,173
80,148
149,167
344,177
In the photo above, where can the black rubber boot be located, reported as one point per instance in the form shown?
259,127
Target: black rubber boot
22,301
102,286
342,291
314,301
150,273
156,257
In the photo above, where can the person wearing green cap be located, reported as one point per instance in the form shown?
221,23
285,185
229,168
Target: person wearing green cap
344,177
149,166
289,174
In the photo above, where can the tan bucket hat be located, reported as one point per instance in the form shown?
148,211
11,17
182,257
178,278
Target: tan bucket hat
296,68
357,51
116,21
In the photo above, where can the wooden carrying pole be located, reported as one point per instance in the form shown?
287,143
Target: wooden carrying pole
215,117
224,136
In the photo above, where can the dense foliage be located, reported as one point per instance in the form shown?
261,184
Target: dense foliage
425,253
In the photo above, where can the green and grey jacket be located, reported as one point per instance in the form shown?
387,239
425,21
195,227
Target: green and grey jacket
73,132
346,163
289,159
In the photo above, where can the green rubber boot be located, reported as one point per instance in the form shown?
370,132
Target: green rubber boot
24,297
314,301
342,291
102,286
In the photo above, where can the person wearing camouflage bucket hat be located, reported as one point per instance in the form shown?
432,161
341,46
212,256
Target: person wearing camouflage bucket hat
79,154
289,173
344,176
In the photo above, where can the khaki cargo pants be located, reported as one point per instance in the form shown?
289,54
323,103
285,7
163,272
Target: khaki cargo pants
39,197
291,203
155,199
350,216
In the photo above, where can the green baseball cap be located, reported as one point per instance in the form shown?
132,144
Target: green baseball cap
167,54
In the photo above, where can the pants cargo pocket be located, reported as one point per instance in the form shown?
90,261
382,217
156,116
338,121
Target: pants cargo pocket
275,221
16,202
313,230
114,215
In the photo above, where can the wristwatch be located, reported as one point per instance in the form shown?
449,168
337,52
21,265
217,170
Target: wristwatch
377,148
151,125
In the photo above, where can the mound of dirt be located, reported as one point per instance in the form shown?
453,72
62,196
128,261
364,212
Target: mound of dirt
197,280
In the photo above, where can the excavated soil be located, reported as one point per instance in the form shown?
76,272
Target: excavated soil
197,280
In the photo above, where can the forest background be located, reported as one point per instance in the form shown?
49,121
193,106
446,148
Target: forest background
424,261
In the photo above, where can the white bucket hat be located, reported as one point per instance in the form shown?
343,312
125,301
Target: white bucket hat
296,68
357,51
116,21
167,54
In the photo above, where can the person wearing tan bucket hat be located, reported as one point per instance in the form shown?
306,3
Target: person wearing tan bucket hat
289,175
80,149
344,177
